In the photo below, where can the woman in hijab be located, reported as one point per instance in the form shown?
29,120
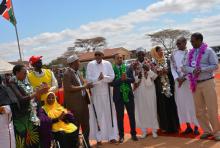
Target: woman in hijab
7,138
166,106
62,128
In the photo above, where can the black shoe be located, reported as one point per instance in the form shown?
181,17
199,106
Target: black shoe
188,131
205,135
134,138
121,140
113,141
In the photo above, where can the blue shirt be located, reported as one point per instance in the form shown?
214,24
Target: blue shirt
208,64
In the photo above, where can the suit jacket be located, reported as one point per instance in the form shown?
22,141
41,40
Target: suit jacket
73,100
117,95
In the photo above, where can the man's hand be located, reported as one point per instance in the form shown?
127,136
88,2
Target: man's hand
2,110
101,76
89,85
180,81
197,71
123,77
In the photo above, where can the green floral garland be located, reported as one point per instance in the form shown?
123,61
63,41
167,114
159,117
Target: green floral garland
124,87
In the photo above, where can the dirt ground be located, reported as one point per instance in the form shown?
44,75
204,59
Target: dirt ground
168,142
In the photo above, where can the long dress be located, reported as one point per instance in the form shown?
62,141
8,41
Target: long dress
145,102
106,116
166,106
183,94
26,132
7,138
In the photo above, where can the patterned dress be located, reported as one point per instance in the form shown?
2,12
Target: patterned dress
26,130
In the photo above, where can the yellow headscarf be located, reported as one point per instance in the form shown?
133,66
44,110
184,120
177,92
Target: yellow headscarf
54,111
155,55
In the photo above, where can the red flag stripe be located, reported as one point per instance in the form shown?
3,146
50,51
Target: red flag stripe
6,15
8,4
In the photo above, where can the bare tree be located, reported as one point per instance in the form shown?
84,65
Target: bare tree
90,44
167,38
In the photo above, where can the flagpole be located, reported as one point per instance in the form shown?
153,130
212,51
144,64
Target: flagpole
19,48
16,30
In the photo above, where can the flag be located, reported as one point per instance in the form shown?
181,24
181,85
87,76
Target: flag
6,10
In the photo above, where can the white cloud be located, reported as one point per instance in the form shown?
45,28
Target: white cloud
180,6
122,31
208,26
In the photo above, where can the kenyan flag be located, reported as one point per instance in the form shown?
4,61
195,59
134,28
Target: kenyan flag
6,11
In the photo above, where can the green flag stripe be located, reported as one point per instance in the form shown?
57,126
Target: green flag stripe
12,17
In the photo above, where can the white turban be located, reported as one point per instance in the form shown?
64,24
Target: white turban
139,49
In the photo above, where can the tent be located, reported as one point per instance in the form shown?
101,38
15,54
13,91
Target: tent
5,67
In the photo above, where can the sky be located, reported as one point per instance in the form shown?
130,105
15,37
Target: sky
49,27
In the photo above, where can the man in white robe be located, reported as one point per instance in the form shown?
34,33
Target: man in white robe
101,73
145,95
183,94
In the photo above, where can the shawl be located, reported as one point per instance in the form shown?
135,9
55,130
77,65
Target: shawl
54,111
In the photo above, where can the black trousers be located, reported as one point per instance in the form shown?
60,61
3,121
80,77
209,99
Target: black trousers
120,106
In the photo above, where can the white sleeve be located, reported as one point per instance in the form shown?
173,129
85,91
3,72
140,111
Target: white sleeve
173,71
89,76
111,75
54,84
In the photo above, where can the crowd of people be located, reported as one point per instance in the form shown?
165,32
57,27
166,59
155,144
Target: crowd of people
159,93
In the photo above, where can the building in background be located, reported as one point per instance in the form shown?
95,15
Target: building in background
109,54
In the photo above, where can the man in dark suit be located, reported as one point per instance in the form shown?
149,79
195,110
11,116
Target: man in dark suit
76,98
123,96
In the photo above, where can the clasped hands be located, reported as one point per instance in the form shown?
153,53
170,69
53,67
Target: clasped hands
180,81
162,71
197,71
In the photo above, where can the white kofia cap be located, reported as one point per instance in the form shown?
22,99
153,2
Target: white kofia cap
72,58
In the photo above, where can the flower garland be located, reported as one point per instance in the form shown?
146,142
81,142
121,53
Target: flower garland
33,105
164,79
124,87
139,68
196,64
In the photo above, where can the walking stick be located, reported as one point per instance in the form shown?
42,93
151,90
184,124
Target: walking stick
109,93
93,106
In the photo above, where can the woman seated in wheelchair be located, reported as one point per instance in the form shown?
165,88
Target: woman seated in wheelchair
64,131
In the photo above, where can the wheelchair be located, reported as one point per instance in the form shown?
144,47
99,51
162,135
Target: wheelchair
56,144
